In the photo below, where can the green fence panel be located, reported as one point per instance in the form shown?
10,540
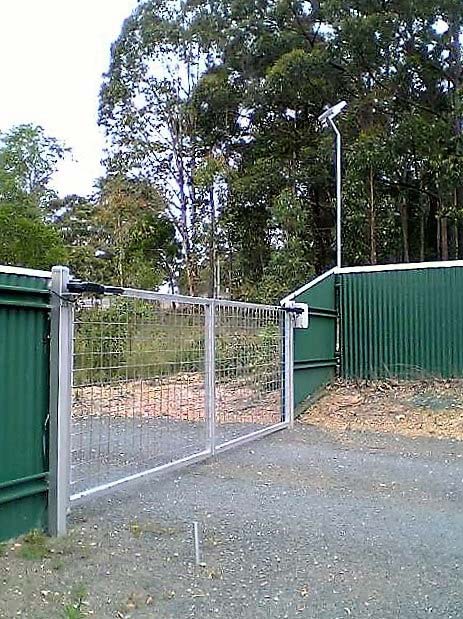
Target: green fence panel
402,323
24,396
315,347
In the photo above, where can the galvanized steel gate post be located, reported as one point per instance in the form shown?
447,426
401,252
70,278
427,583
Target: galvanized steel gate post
60,401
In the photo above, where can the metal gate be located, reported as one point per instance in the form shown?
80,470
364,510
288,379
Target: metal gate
161,381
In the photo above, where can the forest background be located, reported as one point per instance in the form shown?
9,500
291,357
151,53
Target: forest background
218,179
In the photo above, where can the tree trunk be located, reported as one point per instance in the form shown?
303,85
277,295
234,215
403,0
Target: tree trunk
456,77
460,239
455,238
120,252
322,223
372,220
421,235
404,226
444,239
438,239
185,227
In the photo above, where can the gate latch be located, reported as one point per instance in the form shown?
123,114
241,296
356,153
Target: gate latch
301,310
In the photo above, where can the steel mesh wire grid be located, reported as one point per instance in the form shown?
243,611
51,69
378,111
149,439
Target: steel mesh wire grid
249,369
138,387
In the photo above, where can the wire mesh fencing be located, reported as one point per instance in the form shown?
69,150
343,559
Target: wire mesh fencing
165,380
249,371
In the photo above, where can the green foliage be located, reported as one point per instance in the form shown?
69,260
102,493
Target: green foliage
120,236
236,149
34,546
143,336
28,158
26,240
76,609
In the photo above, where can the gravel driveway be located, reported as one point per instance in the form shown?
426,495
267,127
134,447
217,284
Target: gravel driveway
306,523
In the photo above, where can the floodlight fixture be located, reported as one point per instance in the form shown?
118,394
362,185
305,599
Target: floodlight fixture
331,113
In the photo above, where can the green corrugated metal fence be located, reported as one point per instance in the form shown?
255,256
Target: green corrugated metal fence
394,321
24,395
402,323
315,347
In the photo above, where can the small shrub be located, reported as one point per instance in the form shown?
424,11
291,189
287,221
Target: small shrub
75,610
34,546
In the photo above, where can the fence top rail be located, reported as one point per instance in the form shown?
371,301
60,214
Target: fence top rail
22,271
245,305
406,266
136,293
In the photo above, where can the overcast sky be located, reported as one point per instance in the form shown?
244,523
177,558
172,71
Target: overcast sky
52,56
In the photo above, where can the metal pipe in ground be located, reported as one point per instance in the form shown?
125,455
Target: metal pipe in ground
196,543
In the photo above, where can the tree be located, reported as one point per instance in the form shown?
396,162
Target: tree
28,160
144,108
25,240
120,236
216,102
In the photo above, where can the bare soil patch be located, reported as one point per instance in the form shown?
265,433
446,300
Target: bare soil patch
180,397
420,408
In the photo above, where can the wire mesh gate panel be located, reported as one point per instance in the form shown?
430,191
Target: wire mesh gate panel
249,360
162,380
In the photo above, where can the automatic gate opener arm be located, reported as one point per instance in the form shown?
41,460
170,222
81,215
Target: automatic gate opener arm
78,287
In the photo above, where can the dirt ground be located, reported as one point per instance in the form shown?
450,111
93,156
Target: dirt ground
424,408
181,397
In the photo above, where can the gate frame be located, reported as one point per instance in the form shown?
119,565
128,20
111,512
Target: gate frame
61,365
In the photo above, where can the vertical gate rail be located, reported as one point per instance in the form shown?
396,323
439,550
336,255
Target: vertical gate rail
289,368
168,381
210,375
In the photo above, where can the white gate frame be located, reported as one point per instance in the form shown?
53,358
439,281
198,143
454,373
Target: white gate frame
61,358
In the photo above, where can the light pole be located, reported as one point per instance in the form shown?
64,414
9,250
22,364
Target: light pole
328,118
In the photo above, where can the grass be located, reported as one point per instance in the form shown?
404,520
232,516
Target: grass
75,609
3,549
73,612
34,546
